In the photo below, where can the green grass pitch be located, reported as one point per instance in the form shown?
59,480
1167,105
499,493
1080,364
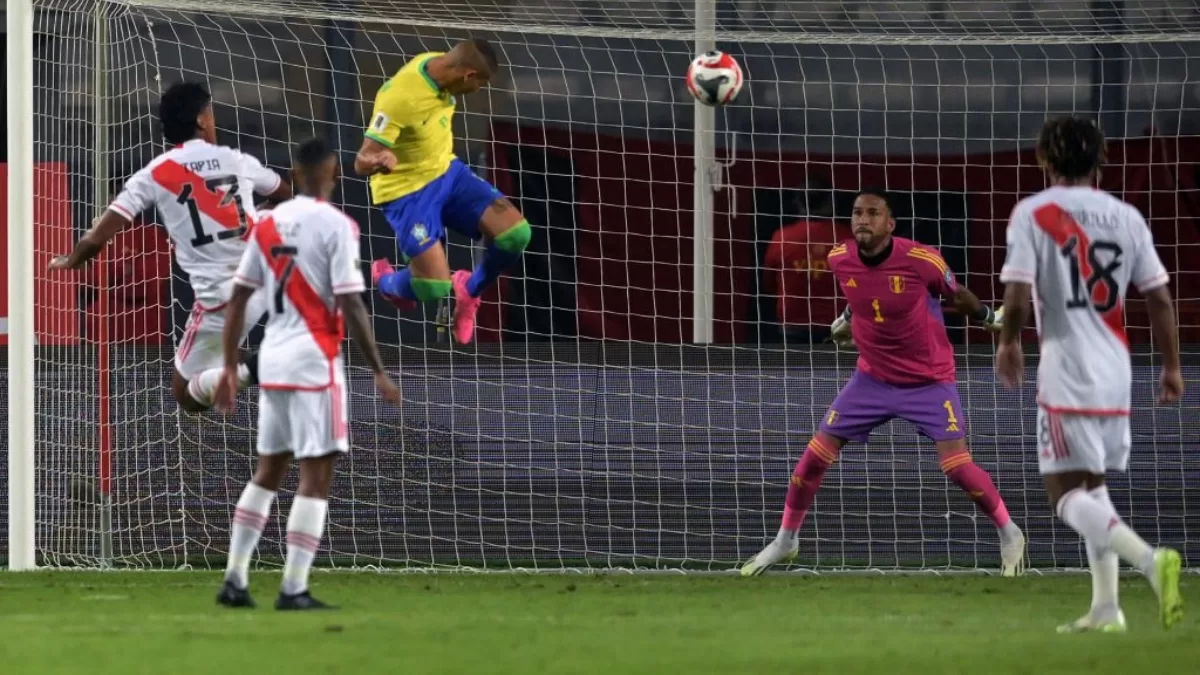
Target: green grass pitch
166,622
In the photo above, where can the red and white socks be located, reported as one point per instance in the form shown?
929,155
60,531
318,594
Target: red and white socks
306,522
249,519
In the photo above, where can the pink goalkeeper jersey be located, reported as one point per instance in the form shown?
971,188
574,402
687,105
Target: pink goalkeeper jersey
896,311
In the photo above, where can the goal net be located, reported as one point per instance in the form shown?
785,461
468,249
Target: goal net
587,428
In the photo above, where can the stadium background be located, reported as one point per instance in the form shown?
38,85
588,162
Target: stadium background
581,431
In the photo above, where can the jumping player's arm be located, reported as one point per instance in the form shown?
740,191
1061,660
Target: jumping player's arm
250,276
940,281
346,280
387,121
135,197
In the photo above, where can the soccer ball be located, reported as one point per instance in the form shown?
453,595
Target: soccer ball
714,78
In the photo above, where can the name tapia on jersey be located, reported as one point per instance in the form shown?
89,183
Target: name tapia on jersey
204,195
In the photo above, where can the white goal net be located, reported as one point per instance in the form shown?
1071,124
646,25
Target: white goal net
586,429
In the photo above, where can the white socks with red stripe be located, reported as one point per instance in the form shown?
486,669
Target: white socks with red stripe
305,525
203,387
1100,526
249,519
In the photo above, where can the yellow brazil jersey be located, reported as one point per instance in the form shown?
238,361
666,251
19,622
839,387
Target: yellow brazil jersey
413,117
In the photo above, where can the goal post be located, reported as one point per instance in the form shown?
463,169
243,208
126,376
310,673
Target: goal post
703,184
20,329
645,379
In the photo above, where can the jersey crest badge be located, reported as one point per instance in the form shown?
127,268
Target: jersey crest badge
896,283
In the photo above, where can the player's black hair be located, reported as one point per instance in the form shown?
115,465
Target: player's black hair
312,153
876,192
1071,147
178,109
487,52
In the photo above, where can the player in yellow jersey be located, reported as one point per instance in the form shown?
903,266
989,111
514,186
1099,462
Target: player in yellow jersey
423,189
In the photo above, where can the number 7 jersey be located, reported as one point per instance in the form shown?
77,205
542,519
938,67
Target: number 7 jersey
204,194
1080,249
303,255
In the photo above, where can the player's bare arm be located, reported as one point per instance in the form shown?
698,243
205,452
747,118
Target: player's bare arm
235,313
358,324
1010,360
92,242
1166,337
374,157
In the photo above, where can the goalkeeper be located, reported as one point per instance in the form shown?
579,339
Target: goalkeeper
905,370
423,189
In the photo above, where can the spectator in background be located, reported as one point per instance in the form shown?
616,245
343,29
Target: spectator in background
137,265
796,272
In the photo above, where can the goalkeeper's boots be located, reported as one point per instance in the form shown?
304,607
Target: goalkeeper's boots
1167,566
465,308
1088,623
232,596
776,552
380,269
299,601
1012,556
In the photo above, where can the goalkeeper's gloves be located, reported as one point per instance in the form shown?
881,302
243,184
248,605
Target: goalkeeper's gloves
839,330
991,319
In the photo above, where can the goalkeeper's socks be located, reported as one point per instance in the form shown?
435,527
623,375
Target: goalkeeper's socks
305,524
249,519
203,387
972,479
806,480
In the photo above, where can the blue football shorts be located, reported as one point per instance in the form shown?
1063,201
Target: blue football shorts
455,200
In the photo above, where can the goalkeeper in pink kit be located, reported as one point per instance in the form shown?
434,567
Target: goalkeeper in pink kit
894,287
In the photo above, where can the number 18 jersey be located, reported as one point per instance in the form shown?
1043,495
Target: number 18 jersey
1080,249
204,194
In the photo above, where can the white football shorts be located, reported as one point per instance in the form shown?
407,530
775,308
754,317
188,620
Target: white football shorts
1092,443
200,348
306,423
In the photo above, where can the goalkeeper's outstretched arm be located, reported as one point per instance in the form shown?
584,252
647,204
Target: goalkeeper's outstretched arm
969,304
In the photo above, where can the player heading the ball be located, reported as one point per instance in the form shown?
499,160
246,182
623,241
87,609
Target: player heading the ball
1082,248
304,257
204,194
423,189
905,370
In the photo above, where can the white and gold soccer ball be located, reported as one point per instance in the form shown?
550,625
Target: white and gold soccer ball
714,78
